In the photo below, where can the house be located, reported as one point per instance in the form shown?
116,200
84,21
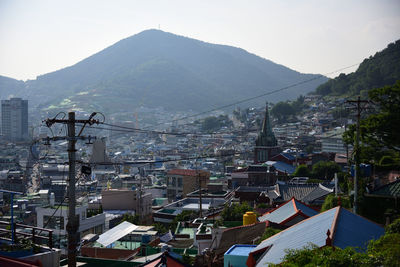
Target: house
170,211
285,157
237,255
165,259
180,182
56,219
127,200
336,227
289,213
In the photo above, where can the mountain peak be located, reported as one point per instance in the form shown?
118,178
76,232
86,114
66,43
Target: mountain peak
160,69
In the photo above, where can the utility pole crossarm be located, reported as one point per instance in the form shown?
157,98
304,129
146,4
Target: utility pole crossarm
72,138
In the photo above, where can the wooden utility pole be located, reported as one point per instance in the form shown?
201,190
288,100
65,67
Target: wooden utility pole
200,196
357,105
73,219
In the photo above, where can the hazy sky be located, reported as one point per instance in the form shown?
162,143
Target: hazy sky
311,36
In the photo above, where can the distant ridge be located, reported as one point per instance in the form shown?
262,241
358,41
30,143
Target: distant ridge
159,69
376,71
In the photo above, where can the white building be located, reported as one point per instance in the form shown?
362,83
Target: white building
59,219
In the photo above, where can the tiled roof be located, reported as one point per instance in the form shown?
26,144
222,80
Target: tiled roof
346,229
318,192
186,172
391,190
287,211
298,191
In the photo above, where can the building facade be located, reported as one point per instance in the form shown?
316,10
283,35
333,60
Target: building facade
14,119
181,182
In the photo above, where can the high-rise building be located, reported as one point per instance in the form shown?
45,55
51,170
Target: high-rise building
14,119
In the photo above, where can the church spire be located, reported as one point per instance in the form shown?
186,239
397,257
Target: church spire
266,136
266,126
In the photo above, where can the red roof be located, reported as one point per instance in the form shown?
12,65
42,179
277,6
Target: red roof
186,172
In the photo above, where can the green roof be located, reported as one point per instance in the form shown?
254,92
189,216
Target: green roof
170,211
390,190
158,201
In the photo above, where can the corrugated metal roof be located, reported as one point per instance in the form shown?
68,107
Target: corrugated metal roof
305,209
280,214
284,167
312,230
287,210
349,229
116,233
355,231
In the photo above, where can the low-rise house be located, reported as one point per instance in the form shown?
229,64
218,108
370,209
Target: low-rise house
50,217
288,213
180,182
170,211
336,227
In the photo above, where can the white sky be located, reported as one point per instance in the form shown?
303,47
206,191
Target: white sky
310,36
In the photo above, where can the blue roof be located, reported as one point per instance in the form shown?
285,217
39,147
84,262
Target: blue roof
288,156
240,250
355,231
287,210
350,230
284,167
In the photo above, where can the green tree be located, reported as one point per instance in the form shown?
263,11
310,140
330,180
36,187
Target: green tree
302,171
325,170
269,231
327,256
282,111
331,201
130,218
379,131
235,211
160,228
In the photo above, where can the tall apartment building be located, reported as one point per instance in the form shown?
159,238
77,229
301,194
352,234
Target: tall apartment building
14,119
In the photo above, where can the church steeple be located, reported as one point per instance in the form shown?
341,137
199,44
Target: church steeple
266,136
266,143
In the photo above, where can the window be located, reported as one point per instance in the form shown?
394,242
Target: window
55,222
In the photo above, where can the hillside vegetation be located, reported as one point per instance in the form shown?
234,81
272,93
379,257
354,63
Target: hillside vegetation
374,72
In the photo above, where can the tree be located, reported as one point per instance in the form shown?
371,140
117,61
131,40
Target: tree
235,211
325,170
269,231
130,218
327,256
282,111
302,171
379,132
331,201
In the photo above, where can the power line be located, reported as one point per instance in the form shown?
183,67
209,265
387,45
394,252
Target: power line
254,97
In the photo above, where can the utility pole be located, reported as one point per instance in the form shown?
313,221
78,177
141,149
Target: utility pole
73,219
357,105
201,204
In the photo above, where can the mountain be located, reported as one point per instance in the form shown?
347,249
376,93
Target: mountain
376,71
160,69
10,87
